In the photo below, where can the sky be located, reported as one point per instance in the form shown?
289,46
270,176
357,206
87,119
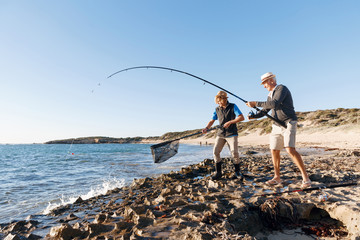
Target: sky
55,57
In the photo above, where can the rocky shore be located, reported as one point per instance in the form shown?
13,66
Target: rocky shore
188,205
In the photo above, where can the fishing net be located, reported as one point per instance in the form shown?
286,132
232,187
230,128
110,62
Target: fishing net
163,151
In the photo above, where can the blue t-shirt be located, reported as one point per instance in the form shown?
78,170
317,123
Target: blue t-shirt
236,111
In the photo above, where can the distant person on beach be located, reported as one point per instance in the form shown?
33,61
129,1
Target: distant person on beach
228,115
281,103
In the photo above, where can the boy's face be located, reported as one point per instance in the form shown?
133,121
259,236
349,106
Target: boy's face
221,101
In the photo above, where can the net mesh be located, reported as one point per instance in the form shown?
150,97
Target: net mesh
163,151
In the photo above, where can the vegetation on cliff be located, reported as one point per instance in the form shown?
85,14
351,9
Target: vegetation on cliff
306,120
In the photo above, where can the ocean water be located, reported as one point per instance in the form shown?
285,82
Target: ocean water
37,178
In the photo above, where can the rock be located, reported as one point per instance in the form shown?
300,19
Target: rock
11,236
18,226
178,202
100,218
65,231
71,217
141,183
168,191
31,236
161,200
79,200
213,184
96,229
228,227
123,225
180,189
249,152
130,214
304,210
143,222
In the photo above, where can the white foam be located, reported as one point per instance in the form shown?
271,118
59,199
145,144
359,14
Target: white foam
101,189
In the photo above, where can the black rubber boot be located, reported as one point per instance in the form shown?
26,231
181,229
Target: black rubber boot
218,173
237,174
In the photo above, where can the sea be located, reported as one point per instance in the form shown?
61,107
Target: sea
36,178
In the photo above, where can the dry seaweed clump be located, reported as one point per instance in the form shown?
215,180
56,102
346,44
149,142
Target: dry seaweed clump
332,117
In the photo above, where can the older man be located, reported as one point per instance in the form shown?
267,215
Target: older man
281,103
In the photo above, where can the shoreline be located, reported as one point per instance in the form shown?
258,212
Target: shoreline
188,202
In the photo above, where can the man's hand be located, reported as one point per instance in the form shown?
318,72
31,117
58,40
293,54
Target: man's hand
204,130
251,104
227,124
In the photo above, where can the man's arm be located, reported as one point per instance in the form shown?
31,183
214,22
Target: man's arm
259,114
234,121
208,126
279,96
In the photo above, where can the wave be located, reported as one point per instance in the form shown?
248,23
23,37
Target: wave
101,189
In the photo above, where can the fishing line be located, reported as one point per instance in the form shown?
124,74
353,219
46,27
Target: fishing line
93,90
201,79
69,151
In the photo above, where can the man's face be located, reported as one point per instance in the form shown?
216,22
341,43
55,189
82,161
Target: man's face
269,84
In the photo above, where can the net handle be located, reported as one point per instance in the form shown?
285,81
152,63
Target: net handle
190,135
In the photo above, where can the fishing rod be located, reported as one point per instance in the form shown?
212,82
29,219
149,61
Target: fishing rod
309,189
190,135
205,81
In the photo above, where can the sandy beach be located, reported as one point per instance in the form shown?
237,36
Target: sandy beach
189,205
345,137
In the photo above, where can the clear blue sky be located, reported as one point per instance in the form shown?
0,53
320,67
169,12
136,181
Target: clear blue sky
55,53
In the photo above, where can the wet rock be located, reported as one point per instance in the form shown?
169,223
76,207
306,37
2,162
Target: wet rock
141,183
79,200
11,236
31,236
60,210
18,226
249,152
71,217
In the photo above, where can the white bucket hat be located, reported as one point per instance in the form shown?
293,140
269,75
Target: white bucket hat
267,76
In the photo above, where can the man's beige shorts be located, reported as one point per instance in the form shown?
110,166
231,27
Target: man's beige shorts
281,137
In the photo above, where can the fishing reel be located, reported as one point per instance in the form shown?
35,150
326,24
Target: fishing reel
251,114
